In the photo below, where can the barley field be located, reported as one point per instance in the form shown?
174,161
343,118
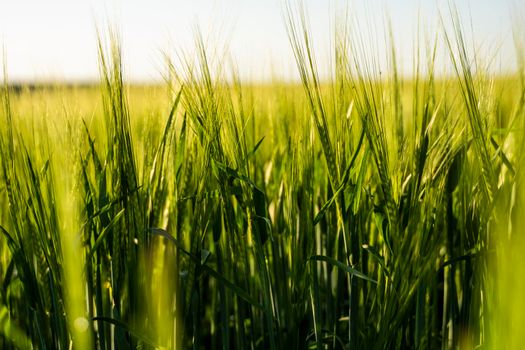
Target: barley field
363,211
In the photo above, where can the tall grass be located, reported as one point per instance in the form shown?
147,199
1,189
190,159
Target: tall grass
358,211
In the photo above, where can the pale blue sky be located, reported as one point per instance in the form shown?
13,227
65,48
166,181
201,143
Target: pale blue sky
56,39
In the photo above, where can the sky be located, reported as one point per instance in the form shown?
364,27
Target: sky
57,39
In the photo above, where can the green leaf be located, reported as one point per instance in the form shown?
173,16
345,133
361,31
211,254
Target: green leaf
374,253
205,254
133,332
259,202
344,181
342,266
237,290
104,233
252,152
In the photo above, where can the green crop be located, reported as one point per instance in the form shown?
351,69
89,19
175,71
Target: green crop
364,210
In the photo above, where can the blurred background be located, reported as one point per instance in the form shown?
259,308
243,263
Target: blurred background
56,40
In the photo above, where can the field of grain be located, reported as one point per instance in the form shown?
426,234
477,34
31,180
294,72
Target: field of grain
364,211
